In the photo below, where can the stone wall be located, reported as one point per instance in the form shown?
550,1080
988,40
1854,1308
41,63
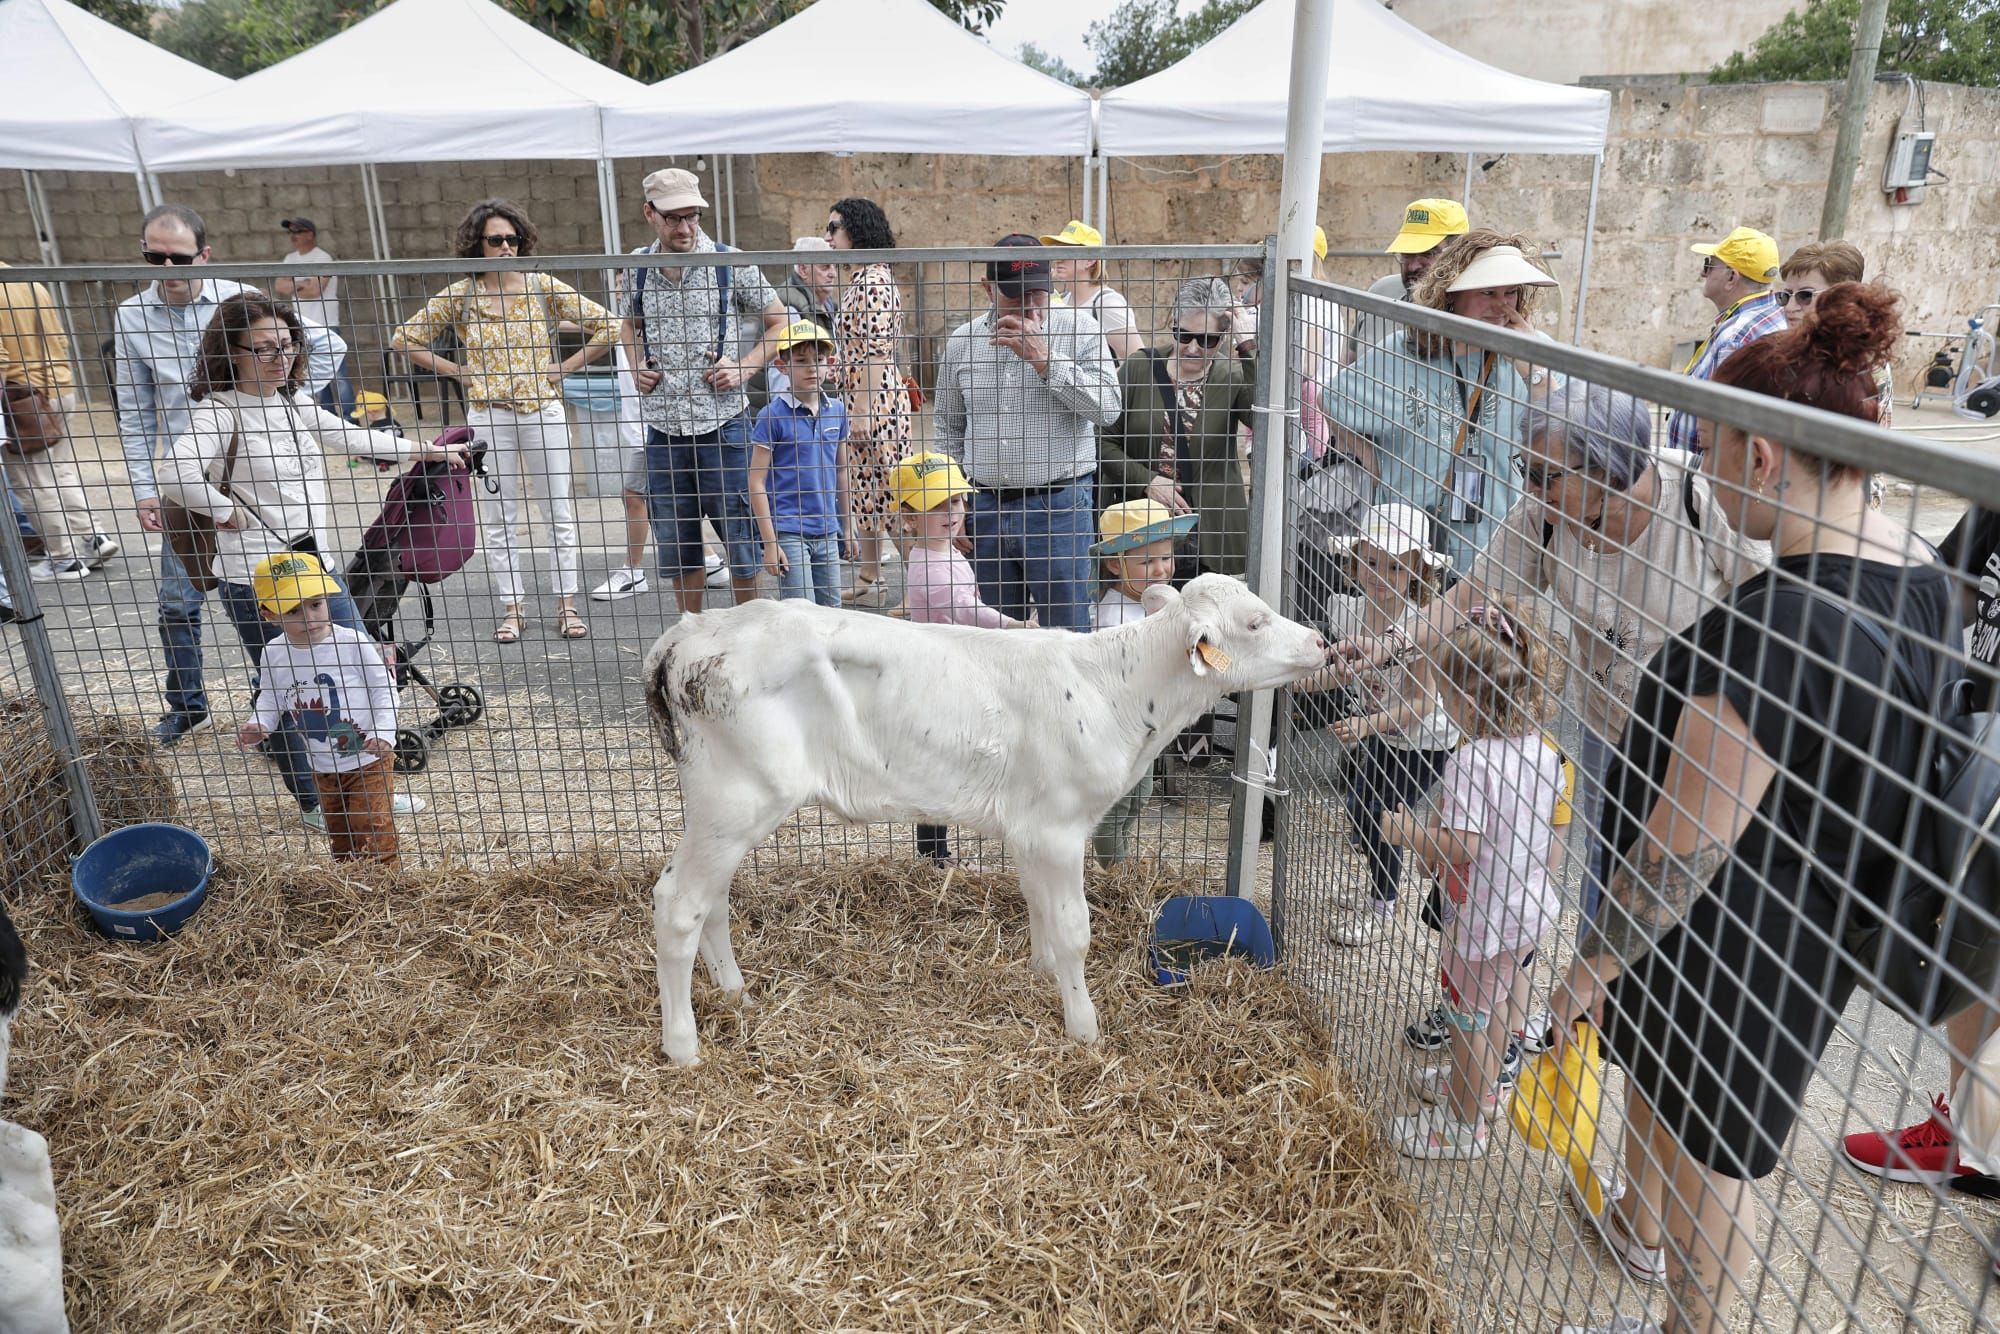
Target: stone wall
1684,163
1553,40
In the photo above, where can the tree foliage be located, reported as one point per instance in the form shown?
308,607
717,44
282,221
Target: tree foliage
131,15
1052,65
1142,37
645,39
1948,41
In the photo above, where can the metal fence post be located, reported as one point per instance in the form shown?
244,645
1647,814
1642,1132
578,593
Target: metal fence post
84,821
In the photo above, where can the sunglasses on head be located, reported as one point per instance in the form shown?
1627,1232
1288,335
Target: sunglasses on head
1803,295
1208,341
504,238
168,257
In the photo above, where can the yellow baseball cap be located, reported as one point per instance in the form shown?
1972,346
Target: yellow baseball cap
922,482
1319,242
1748,251
803,331
1077,233
1138,523
1426,224
283,581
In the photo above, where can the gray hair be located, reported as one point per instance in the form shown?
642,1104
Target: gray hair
1204,296
1594,429
811,243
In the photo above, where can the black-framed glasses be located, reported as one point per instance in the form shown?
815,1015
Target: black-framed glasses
686,217
269,351
835,226
502,239
1803,295
1208,341
1539,474
1708,265
168,257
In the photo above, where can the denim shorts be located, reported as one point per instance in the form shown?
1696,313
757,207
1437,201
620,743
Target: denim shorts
691,478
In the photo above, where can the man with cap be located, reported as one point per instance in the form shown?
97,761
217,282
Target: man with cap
1427,225
1021,393
1736,277
317,301
682,326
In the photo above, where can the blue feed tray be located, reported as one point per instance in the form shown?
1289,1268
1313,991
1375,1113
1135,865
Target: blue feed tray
137,861
1193,927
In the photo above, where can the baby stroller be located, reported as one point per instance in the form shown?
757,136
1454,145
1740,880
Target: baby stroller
426,532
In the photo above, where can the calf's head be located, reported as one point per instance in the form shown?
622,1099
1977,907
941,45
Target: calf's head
1233,636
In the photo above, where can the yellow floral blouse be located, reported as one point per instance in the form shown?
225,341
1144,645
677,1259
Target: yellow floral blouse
509,342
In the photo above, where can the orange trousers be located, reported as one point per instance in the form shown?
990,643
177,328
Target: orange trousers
360,816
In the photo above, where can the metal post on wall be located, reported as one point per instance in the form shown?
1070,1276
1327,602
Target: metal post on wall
86,825
1465,196
1589,233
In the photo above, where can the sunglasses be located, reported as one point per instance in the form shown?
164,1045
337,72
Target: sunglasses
833,227
1803,295
269,351
1708,266
505,238
168,257
1208,341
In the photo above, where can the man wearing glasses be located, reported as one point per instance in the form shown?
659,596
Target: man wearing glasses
1736,277
156,337
682,329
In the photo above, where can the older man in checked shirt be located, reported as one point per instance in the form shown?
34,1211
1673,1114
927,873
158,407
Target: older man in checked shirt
1021,393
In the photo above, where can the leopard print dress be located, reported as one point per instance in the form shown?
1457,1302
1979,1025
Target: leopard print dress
867,328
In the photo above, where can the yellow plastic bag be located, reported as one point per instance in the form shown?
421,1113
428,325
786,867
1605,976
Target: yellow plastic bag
1555,1107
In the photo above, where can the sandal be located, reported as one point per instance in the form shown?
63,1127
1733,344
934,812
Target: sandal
864,589
510,627
570,624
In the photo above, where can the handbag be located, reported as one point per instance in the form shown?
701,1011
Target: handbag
34,422
1555,1108
191,533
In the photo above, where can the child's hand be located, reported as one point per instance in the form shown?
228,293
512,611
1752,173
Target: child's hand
775,561
377,747
1358,728
1390,825
250,734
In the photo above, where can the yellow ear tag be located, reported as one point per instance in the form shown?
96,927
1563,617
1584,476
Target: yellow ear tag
1216,659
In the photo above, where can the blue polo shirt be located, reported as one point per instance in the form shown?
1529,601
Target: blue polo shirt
803,486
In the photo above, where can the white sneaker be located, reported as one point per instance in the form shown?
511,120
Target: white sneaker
102,549
1646,1264
622,584
49,571
1432,1083
1365,927
1539,1034
314,819
718,571
1434,1133
405,804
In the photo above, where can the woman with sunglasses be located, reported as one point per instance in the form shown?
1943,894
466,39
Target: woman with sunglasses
1810,270
249,396
506,320
868,377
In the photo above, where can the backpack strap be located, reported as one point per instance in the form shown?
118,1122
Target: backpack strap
721,303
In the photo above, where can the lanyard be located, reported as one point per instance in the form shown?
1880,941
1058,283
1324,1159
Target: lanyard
1720,320
1469,409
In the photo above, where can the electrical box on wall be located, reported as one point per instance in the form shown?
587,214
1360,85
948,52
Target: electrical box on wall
1909,167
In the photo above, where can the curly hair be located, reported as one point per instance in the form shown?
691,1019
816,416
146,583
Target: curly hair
1499,660
1455,256
215,365
469,238
867,225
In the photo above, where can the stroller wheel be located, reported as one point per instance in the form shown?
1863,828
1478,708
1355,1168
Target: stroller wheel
461,705
412,751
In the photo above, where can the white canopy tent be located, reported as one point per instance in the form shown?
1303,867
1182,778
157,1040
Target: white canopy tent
70,86
1390,88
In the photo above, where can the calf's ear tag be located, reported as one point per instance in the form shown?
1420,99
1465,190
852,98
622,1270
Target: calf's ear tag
1216,659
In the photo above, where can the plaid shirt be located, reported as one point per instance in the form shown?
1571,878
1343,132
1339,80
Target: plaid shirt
678,323
1745,322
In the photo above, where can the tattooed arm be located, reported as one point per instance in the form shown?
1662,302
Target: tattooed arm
1713,785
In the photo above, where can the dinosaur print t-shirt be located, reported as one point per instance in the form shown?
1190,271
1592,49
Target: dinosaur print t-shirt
338,694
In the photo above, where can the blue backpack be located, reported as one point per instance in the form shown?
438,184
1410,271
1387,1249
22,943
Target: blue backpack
722,272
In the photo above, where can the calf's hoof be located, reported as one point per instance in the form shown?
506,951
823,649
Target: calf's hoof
681,1051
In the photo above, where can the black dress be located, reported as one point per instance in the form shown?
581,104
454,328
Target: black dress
1721,1026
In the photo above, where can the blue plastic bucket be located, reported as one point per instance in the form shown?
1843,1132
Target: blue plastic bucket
137,861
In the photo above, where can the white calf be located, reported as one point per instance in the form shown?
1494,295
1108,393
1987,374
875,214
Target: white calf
1026,735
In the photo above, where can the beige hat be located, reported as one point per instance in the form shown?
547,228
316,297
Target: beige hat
1500,266
670,189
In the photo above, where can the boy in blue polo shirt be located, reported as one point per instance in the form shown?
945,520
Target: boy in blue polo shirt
798,471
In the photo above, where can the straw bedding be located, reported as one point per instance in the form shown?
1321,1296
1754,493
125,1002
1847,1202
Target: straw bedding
437,1103
126,773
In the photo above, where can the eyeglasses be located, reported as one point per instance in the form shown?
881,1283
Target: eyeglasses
503,239
1539,474
835,226
269,351
168,257
1708,266
686,217
1208,341
1803,295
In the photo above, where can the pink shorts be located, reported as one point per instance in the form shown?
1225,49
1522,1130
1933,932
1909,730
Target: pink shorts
1475,989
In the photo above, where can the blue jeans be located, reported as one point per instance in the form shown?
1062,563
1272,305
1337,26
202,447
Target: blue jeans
692,477
287,747
813,569
1035,550
338,395
180,635
1588,809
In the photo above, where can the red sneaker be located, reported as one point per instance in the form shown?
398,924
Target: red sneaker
1926,1152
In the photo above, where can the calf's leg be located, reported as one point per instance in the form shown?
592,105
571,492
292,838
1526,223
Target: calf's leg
1052,880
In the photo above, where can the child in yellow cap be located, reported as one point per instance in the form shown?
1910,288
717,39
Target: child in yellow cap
929,491
331,684
1137,550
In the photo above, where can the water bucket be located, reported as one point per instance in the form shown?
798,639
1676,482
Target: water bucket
137,862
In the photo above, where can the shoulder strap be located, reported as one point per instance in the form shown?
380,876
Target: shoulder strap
721,303
1169,403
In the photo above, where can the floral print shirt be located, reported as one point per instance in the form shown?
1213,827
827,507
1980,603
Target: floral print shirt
509,341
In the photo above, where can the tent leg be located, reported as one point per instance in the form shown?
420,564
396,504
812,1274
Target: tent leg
1103,223
1083,212
1589,231
1465,196
607,204
38,215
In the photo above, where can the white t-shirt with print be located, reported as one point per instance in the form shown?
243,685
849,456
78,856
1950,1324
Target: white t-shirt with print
325,308
338,693
1504,789
1114,608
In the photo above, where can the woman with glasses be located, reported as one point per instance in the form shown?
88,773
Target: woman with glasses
506,322
1810,270
254,426
869,379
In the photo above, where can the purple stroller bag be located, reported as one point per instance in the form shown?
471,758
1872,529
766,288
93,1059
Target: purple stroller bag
429,521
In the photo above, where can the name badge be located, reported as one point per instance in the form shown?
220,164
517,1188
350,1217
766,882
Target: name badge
1468,491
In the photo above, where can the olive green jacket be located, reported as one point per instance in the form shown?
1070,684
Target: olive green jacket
1208,467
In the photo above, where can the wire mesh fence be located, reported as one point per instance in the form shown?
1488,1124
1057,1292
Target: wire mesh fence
665,431
1647,735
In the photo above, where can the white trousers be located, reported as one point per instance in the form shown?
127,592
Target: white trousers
527,449
48,484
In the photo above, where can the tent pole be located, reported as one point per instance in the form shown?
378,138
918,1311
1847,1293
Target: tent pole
1465,197
378,238
1103,223
1083,211
607,206
1305,137
1589,230
38,215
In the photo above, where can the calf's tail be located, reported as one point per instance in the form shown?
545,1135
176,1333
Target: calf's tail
659,671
